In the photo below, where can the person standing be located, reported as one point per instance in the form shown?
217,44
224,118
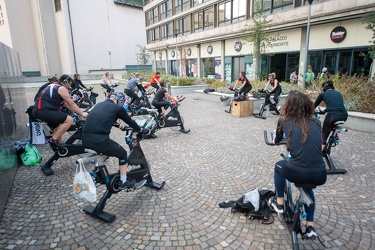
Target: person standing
325,74
309,77
293,77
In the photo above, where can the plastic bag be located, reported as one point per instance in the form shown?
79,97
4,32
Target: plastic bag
83,185
252,197
38,135
31,156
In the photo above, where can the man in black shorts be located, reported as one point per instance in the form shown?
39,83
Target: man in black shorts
49,103
98,126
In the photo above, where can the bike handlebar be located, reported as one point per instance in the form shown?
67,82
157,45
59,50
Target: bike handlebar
282,142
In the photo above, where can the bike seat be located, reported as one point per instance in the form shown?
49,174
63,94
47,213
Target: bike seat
305,185
338,123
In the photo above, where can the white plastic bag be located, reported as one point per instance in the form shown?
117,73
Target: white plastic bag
83,185
253,197
38,133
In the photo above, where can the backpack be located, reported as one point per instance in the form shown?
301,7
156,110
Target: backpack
259,209
31,156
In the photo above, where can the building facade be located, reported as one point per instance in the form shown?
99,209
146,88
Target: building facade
54,37
204,38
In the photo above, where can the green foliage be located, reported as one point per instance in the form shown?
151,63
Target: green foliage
369,19
358,91
180,81
215,83
143,57
257,34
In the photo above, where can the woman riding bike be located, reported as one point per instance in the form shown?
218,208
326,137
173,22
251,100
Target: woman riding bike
276,89
306,164
335,107
161,95
245,85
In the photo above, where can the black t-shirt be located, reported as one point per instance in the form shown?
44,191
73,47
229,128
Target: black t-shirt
101,119
305,157
333,101
160,94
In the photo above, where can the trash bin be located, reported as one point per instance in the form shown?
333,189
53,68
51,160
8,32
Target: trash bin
224,100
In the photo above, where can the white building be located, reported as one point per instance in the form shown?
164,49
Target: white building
207,36
48,37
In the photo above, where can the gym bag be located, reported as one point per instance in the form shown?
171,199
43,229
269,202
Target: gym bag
31,156
253,204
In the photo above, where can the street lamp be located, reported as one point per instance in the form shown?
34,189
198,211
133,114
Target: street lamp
110,61
307,45
177,66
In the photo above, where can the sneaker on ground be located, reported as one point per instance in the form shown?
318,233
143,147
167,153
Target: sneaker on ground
310,233
274,113
129,184
278,208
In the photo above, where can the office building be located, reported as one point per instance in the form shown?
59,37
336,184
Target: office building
204,38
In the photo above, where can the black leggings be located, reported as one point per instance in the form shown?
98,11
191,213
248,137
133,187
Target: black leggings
135,98
328,124
276,93
160,104
282,172
155,85
246,89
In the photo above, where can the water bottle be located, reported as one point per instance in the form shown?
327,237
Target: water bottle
126,105
127,138
288,157
151,123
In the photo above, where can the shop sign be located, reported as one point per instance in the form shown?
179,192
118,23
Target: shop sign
188,52
173,53
210,49
278,41
338,34
238,46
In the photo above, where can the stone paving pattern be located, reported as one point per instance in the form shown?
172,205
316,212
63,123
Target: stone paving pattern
221,158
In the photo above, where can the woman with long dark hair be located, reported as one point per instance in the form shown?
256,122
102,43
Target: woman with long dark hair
303,137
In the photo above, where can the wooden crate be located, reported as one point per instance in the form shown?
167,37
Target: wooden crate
241,109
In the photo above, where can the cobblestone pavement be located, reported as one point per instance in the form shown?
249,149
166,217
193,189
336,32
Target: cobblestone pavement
219,160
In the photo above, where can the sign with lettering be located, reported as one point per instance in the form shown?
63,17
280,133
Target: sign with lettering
338,34
188,52
173,53
278,41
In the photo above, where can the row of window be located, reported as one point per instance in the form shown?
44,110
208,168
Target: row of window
223,13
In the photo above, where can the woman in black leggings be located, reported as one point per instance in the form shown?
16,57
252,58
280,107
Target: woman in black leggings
161,99
335,108
306,164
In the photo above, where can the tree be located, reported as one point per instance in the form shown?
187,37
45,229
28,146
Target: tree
143,57
369,19
256,33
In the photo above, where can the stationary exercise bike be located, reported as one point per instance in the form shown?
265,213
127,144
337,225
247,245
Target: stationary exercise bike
66,149
139,170
87,99
294,210
172,119
236,97
263,112
332,141
140,109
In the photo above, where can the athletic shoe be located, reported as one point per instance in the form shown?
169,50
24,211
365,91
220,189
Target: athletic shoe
129,184
310,233
278,208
